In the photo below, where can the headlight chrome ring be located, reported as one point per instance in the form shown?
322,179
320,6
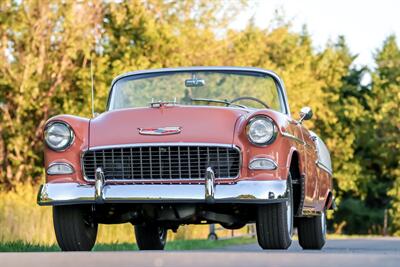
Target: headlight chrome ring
261,130
58,136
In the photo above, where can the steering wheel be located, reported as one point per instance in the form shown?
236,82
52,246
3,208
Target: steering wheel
249,98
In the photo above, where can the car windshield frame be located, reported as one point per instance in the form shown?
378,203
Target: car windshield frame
228,70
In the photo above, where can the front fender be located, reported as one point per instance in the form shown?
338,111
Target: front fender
71,155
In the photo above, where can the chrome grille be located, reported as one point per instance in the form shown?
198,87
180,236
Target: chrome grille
163,162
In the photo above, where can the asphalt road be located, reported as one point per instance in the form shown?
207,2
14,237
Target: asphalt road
377,252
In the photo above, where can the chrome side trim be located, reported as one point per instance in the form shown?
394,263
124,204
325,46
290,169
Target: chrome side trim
324,158
323,167
200,180
291,136
241,192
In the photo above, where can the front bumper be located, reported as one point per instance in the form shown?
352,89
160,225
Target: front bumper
256,192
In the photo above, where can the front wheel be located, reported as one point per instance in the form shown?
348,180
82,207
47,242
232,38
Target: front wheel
312,231
275,223
150,237
74,227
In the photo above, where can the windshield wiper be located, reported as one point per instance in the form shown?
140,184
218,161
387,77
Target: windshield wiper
226,102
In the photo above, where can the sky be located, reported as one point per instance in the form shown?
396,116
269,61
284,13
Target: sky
365,24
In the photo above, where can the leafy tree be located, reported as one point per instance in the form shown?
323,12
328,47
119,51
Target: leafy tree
370,113
385,105
43,46
47,47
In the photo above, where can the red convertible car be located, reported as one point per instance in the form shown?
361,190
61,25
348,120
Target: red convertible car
183,146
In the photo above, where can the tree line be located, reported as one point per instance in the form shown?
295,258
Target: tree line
46,48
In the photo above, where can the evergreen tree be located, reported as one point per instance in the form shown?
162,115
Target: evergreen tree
385,106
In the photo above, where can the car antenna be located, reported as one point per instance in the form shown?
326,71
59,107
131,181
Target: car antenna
92,80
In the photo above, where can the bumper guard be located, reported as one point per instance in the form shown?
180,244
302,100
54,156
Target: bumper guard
255,192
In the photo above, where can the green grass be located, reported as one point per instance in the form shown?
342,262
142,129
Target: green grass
20,246
342,236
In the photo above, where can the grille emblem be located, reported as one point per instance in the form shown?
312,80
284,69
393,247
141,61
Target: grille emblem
160,131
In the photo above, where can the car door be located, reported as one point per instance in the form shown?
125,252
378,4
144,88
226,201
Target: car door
324,169
311,174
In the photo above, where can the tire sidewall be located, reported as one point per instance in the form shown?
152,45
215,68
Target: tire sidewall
74,227
323,225
289,203
150,236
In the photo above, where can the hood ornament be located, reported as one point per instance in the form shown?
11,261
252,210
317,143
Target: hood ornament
160,131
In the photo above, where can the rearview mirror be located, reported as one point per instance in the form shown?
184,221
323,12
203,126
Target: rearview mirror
194,82
305,114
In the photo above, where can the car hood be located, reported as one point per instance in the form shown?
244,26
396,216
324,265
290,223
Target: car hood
197,124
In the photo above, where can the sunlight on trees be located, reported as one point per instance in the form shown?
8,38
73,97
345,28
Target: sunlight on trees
45,53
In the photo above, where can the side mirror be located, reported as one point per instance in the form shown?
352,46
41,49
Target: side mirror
305,114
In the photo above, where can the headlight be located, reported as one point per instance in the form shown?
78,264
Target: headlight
58,136
261,130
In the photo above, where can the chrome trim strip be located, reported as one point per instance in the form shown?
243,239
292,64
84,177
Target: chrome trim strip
209,185
291,136
200,180
200,68
324,157
323,167
241,192
99,184
60,163
267,159
159,144
167,131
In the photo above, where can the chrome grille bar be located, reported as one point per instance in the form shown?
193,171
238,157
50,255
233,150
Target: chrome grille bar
165,162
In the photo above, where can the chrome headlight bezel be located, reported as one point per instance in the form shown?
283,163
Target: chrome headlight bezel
70,135
268,120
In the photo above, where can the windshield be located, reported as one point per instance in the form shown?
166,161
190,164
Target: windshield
214,88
